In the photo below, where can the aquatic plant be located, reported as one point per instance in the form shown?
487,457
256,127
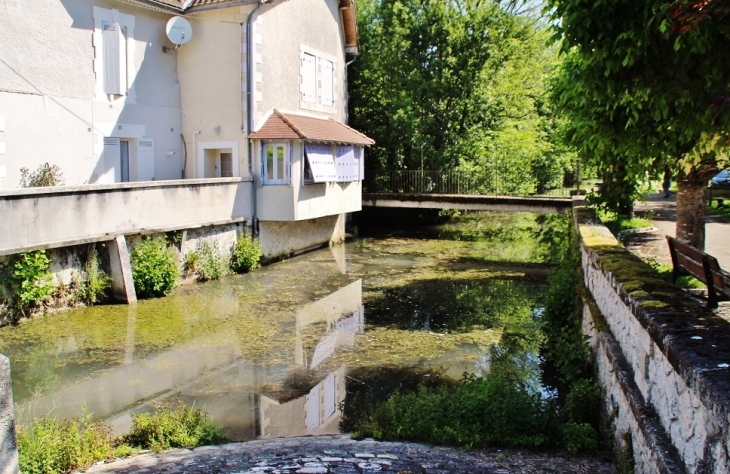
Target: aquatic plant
154,268
97,282
207,262
246,255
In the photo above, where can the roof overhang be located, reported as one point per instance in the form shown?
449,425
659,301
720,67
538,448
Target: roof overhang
294,126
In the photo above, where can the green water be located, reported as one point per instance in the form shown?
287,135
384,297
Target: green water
272,353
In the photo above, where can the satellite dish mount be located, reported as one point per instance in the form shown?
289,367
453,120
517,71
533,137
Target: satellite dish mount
178,31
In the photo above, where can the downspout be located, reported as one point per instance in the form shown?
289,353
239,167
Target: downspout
347,90
249,118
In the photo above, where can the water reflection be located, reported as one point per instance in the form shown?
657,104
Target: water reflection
271,353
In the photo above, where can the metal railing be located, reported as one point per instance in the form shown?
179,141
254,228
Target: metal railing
455,182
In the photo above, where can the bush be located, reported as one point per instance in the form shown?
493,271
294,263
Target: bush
154,269
51,446
31,282
168,428
211,265
45,175
246,255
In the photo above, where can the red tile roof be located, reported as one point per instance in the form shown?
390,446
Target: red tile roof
290,126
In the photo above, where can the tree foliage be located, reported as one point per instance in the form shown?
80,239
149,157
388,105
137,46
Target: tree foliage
639,91
456,84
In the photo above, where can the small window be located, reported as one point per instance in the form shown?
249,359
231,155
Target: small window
275,163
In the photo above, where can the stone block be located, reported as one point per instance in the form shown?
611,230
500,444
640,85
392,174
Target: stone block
8,445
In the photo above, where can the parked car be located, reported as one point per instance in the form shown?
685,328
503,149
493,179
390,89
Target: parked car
722,178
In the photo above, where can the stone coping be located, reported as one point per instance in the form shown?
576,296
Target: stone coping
96,188
695,341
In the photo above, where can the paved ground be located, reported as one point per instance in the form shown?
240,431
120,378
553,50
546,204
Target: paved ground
342,455
717,232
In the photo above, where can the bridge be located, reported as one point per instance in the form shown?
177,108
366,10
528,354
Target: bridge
460,190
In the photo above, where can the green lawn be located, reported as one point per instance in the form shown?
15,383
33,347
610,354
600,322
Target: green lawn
723,212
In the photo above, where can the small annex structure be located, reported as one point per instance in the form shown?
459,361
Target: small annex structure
133,120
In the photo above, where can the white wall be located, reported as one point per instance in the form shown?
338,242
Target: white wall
47,91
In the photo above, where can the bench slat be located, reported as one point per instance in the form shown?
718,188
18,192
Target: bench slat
692,266
702,266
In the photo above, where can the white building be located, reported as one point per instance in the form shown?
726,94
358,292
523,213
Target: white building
244,123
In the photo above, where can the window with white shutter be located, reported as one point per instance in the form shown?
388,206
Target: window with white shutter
309,78
110,160
115,59
321,162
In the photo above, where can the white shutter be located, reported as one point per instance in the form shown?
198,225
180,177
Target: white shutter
360,156
309,78
328,93
115,60
110,159
312,401
330,396
321,162
145,159
346,164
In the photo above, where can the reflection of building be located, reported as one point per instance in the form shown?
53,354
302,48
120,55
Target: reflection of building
212,372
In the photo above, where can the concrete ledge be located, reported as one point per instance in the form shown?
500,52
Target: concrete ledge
65,216
677,350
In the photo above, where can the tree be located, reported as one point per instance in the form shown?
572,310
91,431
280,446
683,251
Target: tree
460,83
640,91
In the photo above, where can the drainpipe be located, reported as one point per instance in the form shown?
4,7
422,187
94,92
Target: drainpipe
249,115
347,90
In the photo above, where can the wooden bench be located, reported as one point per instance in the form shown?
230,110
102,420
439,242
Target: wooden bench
690,261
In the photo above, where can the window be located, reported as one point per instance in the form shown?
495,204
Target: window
320,161
226,165
275,162
113,41
309,78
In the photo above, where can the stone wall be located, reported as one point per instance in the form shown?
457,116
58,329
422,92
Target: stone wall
663,359
8,448
292,237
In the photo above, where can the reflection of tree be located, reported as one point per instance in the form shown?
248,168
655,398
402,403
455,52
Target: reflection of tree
38,365
552,236
456,305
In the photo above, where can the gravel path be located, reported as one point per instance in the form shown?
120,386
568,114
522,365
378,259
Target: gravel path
342,455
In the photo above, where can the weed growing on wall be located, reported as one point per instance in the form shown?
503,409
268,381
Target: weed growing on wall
45,175
154,268
97,282
31,282
247,254
50,445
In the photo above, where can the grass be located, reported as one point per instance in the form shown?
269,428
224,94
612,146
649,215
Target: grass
616,223
54,446
723,212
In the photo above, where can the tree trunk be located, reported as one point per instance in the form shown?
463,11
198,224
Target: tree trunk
691,202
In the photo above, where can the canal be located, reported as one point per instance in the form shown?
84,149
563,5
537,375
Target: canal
277,351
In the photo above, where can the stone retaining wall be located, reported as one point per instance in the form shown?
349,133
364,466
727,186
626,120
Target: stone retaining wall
663,359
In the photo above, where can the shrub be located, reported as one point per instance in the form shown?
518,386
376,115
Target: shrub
45,175
211,265
154,269
246,255
31,281
168,428
50,445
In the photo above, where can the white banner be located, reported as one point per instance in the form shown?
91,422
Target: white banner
321,162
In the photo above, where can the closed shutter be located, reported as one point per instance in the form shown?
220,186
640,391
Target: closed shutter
309,78
360,156
328,92
330,396
347,165
145,159
110,160
115,60
321,162
313,404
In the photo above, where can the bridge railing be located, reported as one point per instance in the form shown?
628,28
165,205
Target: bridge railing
453,182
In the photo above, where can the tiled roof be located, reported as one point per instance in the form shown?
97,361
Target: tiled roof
281,126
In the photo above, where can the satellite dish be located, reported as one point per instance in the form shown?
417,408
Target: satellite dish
178,30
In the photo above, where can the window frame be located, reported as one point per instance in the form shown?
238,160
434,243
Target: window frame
276,180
